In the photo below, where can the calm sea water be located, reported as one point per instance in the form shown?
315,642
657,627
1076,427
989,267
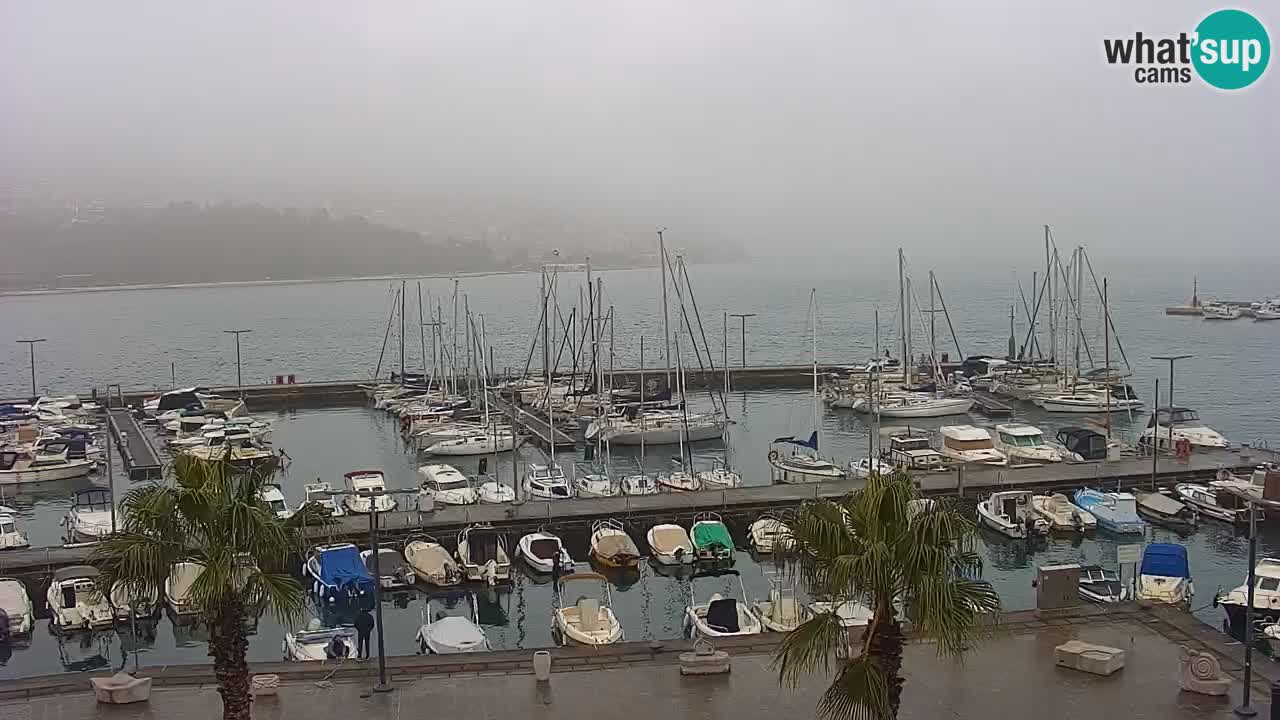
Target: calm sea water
335,331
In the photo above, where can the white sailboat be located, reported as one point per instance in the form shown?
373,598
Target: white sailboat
788,464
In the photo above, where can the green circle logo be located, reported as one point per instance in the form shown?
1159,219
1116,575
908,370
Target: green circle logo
1232,49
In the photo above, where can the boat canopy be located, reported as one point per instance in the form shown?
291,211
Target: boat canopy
75,572
712,533
341,565
1165,560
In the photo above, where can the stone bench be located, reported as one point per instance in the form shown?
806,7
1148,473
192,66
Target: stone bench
1087,657
121,689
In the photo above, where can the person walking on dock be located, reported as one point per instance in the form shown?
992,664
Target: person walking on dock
364,626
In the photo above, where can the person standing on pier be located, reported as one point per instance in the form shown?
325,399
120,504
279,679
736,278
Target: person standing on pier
364,626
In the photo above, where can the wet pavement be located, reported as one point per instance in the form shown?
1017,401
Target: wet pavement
1010,675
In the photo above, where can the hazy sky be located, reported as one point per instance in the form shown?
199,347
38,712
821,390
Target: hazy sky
834,124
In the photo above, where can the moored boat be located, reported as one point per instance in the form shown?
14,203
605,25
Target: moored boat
1165,576
1115,512
590,620
1009,513
669,544
1062,514
612,546
712,543
431,562
1160,509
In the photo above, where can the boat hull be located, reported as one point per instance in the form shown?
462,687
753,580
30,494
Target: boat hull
70,471
665,435
932,408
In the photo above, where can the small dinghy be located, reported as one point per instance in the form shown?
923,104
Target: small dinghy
541,550
431,563
781,612
612,546
451,634
589,620
670,545
1063,515
318,643
769,534
711,540
720,615
1160,509
393,572
1100,585
482,553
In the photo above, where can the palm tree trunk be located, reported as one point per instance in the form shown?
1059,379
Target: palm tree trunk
228,645
885,648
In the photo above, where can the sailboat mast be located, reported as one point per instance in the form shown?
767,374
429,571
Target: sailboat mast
813,309
1053,309
640,410
902,316
454,360
402,333
1106,362
422,331
933,338
666,320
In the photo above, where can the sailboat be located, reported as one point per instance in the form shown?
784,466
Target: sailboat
796,466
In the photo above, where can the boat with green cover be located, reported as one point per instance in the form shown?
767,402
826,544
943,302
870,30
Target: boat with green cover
711,540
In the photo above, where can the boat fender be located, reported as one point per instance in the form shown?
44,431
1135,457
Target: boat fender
773,454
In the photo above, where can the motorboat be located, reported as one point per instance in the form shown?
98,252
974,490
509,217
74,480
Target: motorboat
1164,576
769,534
612,546
969,444
177,587
915,405
720,615
1180,423
546,482
90,517
712,543
1160,509
317,643
669,544
589,620
795,467
1266,597
849,613
677,479
452,634
1269,310
1025,444
1009,513
595,485
494,492
392,570
1116,512
321,494
1082,444
1087,401
1062,514
1100,585
368,490
130,601
15,603
485,443
543,550
864,468
238,449
446,485
639,484
75,602
781,612
1216,502
912,451
338,576
482,553
11,538
21,465
719,477
1220,311
274,499
431,562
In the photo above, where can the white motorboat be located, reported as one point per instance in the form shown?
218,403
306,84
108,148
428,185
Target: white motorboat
431,562
915,405
493,492
781,612
485,443
1266,597
669,544
317,643
911,451
446,485
177,587
321,493
639,484
1115,512
393,572
1082,401
1009,513
11,538
678,480
75,602
274,498
596,485
239,449
1061,514
1165,576
482,553
18,465
90,517
849,613
1180,423
719,477
1269,310
1025,444
769,534
612,546
969,444
864,468
1220,311
369,492
546,482
802,468
451,634
126,602
1216,502
590,620
720,615
16,605
542,550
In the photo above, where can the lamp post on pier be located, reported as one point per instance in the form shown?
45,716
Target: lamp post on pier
1171,359
239,381
31,344
743,317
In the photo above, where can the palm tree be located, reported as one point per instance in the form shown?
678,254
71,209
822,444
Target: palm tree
901,556
211,515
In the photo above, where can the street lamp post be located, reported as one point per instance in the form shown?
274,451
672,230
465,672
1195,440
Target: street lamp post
382,685
1171,359
1254,504
31,344
239,382
743,317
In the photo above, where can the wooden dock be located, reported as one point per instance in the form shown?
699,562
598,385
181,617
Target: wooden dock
140,458
738,506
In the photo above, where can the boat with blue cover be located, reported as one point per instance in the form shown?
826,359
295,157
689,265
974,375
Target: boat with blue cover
1114,511
1165,576
339,576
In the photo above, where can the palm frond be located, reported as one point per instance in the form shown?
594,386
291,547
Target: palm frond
809,648
859,692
